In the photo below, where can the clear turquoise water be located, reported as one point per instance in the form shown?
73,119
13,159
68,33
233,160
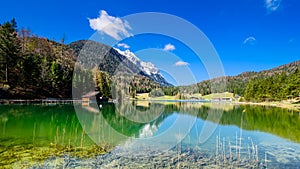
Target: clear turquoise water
237,135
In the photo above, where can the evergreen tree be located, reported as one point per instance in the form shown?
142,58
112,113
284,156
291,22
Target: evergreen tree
9,50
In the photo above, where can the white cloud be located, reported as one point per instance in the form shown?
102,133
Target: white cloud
181,63
123,45
272,5
250,40
110,25
169,47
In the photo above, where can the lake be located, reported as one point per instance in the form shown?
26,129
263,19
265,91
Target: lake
149,135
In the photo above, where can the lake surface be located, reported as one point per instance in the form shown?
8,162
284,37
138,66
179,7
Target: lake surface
149,135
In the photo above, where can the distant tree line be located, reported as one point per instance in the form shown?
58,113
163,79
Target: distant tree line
276,84
274,88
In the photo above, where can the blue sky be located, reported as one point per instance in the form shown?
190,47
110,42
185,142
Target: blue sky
247,34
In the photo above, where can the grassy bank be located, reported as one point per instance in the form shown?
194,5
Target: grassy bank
145,96
288,104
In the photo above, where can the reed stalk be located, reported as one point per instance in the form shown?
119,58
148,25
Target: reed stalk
82,137
217,151
178,154
76,138
252,148
224,151
63,136
189,149
69,152
241,133
249,155
33,134
256,152
57,140
197,134
236,146
230,153
266,162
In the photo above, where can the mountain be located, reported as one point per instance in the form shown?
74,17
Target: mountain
32,67
147,68
114,61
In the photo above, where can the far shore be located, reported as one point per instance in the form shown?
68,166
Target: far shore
287,104
39,101
281,104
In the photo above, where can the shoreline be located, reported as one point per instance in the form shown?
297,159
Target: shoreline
38,101
281,104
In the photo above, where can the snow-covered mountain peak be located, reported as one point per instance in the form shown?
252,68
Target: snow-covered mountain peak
147,67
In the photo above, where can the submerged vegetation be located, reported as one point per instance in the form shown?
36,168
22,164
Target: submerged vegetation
31,134
37,135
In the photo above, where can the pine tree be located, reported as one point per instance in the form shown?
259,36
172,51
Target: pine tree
9,49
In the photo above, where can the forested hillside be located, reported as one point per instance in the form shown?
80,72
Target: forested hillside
32,67
279,86
279,83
